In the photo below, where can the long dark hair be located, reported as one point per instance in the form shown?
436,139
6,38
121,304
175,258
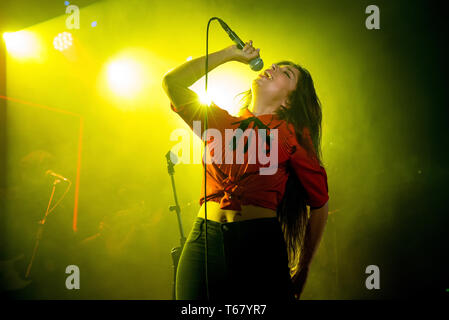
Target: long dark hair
304,113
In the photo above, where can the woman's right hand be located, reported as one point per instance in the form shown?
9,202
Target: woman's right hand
245,55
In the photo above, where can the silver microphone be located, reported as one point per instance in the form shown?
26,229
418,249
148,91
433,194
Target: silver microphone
255,64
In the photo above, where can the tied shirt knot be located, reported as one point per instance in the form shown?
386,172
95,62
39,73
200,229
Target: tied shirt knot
232,193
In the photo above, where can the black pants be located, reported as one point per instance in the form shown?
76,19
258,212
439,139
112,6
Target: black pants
247,260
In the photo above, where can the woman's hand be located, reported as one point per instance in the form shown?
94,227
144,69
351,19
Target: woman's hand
245,55
299,281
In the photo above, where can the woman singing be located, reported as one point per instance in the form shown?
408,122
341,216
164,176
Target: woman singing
262,229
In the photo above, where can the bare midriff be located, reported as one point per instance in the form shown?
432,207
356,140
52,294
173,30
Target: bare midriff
248,212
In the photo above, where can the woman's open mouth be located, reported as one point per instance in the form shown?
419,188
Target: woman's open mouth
265,75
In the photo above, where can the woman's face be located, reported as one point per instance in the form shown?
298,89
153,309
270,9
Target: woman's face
276,83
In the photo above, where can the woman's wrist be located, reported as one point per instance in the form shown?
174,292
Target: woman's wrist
228,53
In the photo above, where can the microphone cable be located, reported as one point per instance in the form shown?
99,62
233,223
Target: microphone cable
205,154
256,65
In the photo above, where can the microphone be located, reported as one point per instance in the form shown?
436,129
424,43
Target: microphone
171,157
255,64
54,174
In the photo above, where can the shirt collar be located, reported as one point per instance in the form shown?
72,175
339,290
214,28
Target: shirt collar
265,118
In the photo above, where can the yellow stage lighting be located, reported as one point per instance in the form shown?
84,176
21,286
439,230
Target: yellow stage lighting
21,44
63,41
125,77
221,89
205,98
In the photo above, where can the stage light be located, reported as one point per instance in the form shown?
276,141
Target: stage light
94,24
221,89
205,98
63,41
125,77
213,94
189,58
21,44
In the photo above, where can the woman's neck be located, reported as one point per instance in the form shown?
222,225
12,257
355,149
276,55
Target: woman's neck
258,108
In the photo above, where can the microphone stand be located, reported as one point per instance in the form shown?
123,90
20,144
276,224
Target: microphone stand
41,228
176,251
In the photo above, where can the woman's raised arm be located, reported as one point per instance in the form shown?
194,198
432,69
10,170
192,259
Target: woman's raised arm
191,71
176,84
186,102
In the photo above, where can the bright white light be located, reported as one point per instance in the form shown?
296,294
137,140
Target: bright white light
222,90
63,41
125,77
205,98
21,44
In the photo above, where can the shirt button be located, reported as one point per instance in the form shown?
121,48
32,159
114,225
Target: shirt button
225,228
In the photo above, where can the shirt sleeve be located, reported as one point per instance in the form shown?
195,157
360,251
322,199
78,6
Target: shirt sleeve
312,176
216,116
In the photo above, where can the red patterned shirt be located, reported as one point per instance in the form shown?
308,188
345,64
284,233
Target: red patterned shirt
234,184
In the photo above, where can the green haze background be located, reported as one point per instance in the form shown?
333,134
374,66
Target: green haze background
384,100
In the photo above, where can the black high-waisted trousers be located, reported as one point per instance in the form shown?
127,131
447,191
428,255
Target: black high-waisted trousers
247,260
